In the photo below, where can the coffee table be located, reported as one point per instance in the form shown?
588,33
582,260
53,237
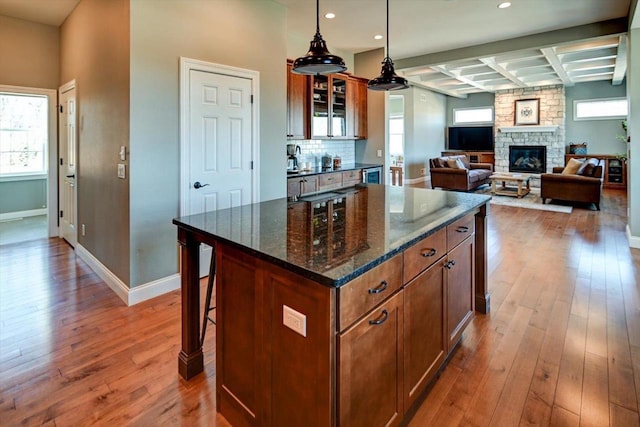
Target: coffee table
518,184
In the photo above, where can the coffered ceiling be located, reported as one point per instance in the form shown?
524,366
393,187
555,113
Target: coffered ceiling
455,47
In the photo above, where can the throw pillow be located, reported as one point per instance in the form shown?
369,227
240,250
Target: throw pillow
440,162
588,167
455,164
572,167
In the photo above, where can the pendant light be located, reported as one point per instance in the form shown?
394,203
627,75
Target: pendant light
318,60
388,79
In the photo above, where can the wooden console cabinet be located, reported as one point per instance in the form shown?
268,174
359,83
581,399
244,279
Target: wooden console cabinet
615,170
474,156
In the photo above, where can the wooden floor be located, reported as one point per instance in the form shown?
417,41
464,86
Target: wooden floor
560,347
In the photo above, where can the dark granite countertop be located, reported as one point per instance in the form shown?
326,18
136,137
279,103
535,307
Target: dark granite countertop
385,220
345,167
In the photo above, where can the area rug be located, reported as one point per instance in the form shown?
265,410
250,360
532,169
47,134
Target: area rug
530,201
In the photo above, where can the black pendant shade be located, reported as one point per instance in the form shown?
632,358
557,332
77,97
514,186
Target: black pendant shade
318,60
388,79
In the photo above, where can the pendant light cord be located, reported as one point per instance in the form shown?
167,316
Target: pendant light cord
317,16
388,56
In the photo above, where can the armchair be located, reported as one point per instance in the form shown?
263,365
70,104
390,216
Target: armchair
585,185
468,178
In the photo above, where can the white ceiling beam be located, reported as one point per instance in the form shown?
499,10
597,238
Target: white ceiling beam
456,75
550,54
588,55
598,63
491,62
435,88
621,62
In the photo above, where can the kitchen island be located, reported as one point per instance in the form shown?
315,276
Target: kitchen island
337,309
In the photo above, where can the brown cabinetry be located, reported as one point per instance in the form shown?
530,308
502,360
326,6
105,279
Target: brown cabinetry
357,125
297,105
301,185
460,290
326,107
615,169
370,363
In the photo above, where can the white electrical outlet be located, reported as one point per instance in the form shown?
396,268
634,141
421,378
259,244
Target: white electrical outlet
122,174
379,153
84,230
294,320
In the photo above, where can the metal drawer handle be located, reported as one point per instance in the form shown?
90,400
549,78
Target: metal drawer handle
462,229
381,320
449,264
431,252
382,287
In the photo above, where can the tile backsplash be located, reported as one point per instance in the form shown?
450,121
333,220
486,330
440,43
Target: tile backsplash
312,150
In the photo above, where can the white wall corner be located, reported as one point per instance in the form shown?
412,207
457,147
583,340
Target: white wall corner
634,241
128,296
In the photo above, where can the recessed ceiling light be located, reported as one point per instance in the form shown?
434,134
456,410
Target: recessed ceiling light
330,15
504,5
378,37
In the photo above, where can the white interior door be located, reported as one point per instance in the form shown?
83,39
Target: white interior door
220,145
67,164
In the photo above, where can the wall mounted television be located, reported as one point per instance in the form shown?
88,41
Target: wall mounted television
470,138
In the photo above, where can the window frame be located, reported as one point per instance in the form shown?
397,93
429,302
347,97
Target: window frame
484,122
578,101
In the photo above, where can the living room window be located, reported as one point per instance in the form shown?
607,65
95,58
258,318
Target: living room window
600,109
472,115
23,134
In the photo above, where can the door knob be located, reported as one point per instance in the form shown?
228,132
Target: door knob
71,176
197,185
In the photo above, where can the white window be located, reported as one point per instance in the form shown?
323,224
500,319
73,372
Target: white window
23,134
600,109
396,136
472,115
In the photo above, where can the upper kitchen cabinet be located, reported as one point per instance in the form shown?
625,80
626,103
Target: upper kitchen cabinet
357,125
297,105
329,106
326,107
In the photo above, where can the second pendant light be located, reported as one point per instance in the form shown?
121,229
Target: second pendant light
388,79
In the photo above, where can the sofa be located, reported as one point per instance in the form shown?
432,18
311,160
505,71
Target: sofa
574,182
449,173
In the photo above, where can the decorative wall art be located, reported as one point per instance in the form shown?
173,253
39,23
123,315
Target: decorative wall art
527,112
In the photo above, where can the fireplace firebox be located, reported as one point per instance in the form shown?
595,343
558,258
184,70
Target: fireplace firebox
528,158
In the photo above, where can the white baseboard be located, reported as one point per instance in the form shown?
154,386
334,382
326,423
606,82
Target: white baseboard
128,296
634,241
22,214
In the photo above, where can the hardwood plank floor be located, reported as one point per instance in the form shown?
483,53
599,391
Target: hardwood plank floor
560,347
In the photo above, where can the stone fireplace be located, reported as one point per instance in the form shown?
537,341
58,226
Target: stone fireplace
549,134
528,158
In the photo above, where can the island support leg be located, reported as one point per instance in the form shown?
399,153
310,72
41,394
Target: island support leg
482,279
190,359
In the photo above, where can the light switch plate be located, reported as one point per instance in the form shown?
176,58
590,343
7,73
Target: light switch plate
294,320
123,152
122,174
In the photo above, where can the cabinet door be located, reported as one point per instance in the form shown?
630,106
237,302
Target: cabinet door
338,125
320,107
460,289
357,106
425,345
370,368
297,105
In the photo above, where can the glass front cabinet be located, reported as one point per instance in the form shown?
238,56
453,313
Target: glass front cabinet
329,107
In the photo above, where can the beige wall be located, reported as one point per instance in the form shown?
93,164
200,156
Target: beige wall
249,34
94,51
368,65
30,54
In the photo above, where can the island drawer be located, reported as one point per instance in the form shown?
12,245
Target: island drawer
350,178
365,292
460,230
424,253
